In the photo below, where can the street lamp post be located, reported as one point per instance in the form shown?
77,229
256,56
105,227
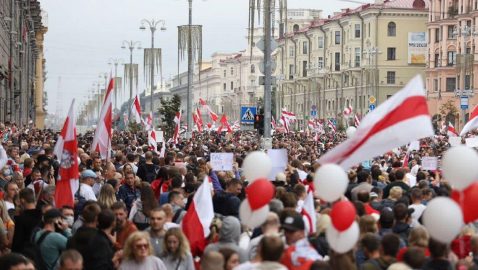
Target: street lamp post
115,62
131,45
152,26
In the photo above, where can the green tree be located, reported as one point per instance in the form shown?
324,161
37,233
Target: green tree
168,110
449,111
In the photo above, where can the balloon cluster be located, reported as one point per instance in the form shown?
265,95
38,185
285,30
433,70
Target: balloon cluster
254,209
331,183
460,170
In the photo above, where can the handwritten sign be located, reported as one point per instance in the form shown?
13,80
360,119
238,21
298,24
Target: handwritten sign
429,163
454,141
471,142
222,161
279,161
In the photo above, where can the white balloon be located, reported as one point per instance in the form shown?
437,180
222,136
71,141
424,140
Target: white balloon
460,166
331,182
342,242
350,131
443,219
250,218
256,165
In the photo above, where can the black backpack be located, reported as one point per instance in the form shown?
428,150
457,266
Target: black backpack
37,256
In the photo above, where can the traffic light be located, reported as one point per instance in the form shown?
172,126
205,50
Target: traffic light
259,123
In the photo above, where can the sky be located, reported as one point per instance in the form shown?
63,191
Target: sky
84,35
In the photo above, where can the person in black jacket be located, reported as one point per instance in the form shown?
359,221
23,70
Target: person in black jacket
25,223
226,202
102,243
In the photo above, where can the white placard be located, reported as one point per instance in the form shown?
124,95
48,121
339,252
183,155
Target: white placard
159,135
454,141
279,161
471,142
429,163
222,161
415,145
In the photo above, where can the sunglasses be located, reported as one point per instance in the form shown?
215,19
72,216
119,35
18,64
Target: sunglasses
141,246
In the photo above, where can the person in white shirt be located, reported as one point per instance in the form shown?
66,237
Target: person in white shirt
88,179
417,205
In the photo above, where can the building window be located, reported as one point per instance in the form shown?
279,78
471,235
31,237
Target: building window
224,86
304,68
435,85
451,35
337,61
232,85
305,47
357,57
450,84
232,71
321,63
295,28
390,77
357,31
391,53
337,37
437,35
437,60
451,59
253,69
392,29
369,29
225,73
291,51
291,72
320,42
467,81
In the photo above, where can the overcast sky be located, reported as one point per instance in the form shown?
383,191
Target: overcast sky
83,35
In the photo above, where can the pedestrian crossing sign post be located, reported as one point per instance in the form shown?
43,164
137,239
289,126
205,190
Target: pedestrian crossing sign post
247,115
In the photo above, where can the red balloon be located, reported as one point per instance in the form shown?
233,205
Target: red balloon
260,193
342,215
467,200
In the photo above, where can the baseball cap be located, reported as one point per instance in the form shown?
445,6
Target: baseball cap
88,173
293,222
52,214
280,177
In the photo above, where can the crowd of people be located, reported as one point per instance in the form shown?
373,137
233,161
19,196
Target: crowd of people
128,210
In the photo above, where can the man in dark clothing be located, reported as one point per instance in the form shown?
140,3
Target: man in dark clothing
25,223
439,256
403,219
399,181
84,238
147,171
128,192
388,252
226,202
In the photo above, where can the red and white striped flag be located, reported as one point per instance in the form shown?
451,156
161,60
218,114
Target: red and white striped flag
311,125
273,123
224,124
236,126
356,120
148,123
177,120
136,110
102,140
212,114
472,123
348,110
197,121
66,150
198,111
451,132
202,102
198,218
331,125
285,123
392,124
308,212
152,140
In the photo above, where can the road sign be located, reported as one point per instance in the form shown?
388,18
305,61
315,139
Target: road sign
313,113
247,115
464,102
371,107
372,99
464,92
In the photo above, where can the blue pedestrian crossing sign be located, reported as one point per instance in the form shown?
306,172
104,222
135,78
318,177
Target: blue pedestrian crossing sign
247,115
371,107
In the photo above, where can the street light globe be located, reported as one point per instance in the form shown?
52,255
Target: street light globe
163,28
142,27
123,47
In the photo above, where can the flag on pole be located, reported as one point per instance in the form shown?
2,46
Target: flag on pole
348,110
331,125
198,114
451,132
197,121
66,151
152,140
224,124
198,218
212,115
472,123
356,120
149,121
393,123
308,212
102,140
136,110
177,120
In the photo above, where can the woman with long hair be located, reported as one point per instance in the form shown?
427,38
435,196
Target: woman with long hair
107,196
176,254
7,222
231,258
142,207
138,254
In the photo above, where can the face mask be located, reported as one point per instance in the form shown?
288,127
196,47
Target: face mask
69,220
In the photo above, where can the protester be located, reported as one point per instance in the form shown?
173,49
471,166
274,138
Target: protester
176,252
138,254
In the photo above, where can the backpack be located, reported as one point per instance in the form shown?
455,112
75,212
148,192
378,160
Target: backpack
37,256
79,203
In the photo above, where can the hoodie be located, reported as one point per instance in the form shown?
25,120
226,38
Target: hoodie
229,238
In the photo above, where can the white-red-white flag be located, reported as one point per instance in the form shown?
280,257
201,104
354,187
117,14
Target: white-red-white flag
394,123
472,123
197,121
148,123
348,110
66,151
451,132
308,212
331,125
177,120
102,140
212,114
198,218
356,120
152,140
224,124
136,110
